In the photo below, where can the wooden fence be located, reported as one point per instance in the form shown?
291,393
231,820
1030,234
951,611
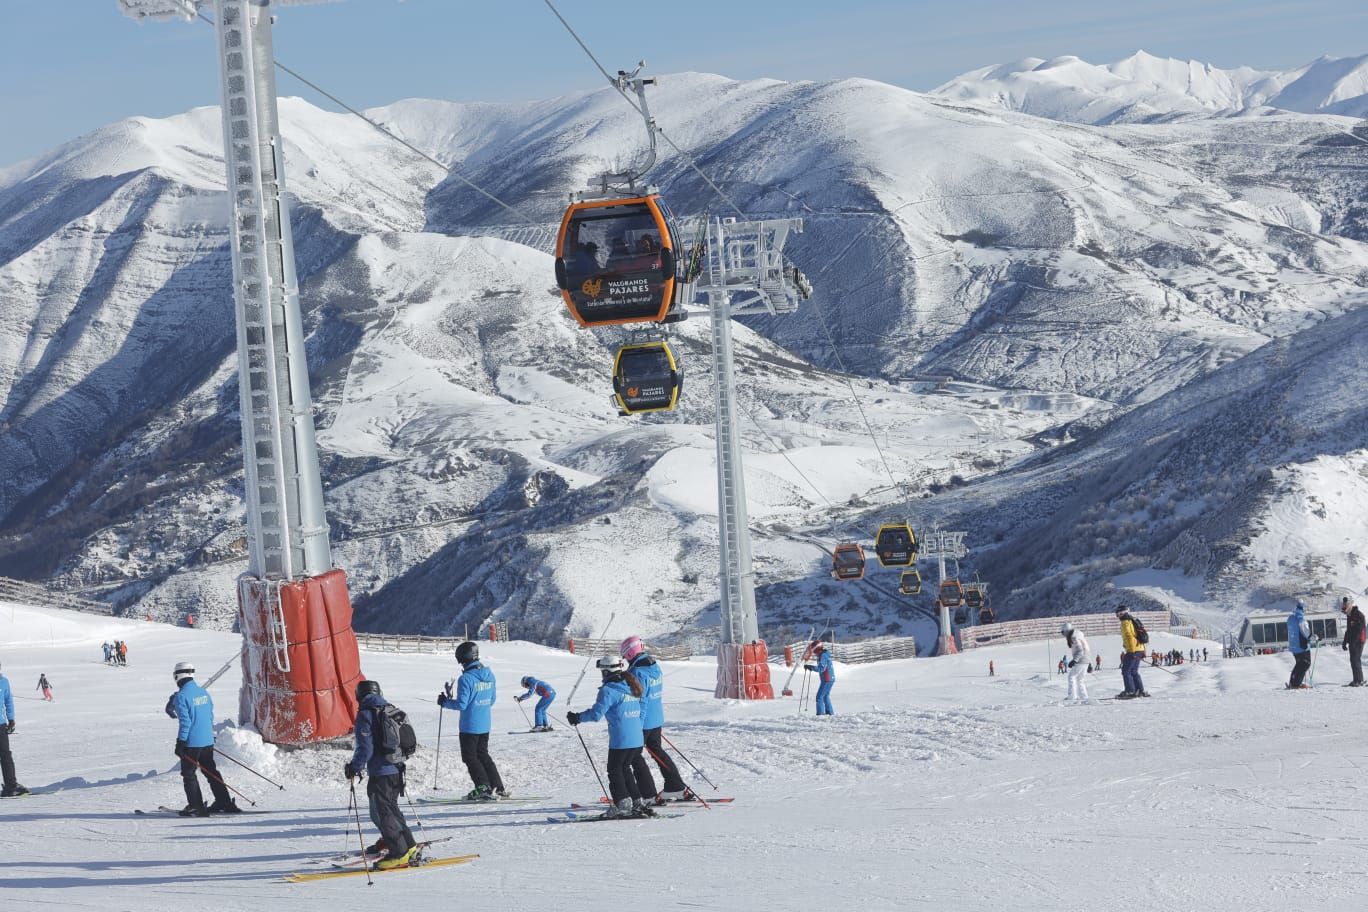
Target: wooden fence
41,596
1047,627
593,647
863,651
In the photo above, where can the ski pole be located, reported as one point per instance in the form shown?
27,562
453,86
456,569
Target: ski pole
1311,677
360,837
419,820
688,761
219,779
249,769
437,764
602,633
693,791
591,761
523,711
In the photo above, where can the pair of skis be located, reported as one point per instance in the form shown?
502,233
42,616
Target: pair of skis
164,811
418,864
432,799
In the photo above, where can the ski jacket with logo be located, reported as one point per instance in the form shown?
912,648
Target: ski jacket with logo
1353,626
195,711
647,672
826,668
541,689
1079,651
1298,632
6,702
474,698
1130,643
365,754
622,709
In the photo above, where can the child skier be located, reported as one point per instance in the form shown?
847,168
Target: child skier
826,673
646,670
619,701
384,764
1080,660
474,698
546,694
45,687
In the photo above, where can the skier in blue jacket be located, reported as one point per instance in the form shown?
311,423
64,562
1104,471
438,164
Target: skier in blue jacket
619,702
385,767
1299,640
646,670
195,746
826,674
474,697
546,694
12,788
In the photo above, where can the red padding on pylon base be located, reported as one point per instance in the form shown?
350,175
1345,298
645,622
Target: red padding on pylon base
755,671
314,700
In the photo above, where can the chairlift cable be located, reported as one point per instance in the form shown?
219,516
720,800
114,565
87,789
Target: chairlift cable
451,170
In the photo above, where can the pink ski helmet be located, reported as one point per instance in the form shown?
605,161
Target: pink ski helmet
631,647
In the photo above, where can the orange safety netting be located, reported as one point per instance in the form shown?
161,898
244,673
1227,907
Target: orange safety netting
301,663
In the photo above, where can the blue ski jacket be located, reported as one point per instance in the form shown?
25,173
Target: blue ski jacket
541,689
826,669
474,698
195,710
365,753
622,709
6,702
1298,631
652,680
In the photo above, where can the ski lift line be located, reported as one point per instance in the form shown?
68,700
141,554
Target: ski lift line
902,602
451,170
627,98
784,453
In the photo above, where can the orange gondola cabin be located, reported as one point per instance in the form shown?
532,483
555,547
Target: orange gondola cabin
616,261
848,561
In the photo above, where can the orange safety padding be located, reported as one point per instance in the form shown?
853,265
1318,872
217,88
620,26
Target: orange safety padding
315,699
788,656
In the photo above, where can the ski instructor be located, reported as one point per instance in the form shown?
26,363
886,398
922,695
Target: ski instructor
12,787
195,746
647,672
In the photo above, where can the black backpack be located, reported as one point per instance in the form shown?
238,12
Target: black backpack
395,739
1141,636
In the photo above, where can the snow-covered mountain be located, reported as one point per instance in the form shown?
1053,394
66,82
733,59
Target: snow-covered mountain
1064,274
1143,88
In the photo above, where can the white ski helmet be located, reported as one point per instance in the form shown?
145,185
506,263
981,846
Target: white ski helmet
184,671
1065,629
611,664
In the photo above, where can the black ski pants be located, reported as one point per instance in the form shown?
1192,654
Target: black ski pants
204,756
668,771
475,755
622,780
1300,664
1356,659
6,759
385,813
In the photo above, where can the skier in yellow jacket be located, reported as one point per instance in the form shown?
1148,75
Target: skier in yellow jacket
1133,645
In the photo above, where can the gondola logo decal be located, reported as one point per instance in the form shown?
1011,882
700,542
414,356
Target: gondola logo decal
592,287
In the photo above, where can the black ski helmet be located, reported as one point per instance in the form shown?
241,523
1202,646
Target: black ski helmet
363,688
468,652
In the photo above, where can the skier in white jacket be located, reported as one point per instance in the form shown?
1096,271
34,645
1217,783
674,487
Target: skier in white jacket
1080,657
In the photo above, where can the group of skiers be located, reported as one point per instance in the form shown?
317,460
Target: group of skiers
1176,657
115,653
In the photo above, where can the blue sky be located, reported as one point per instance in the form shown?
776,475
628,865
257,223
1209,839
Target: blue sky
68,66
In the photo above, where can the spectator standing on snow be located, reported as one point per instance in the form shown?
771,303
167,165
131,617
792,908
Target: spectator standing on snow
474,699
195,746
546,695
1133,644
1299,642
1353,639
1080,660
619,702
45,687
826,676
383,762
643,666
123,653
12,788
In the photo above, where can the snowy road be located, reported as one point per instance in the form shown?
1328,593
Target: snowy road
935,787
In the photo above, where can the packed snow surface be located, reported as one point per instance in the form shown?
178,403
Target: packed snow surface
935,786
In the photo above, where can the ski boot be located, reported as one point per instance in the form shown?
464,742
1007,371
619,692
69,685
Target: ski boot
194,810
379,848
225,807
14,791
1143,693
1125,695
480,793
619,809
398,861
640,808
503,793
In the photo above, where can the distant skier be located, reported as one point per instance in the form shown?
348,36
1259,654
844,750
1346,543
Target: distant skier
474,698
383,761
12,788
647,671
990,668
195,746
619,701
1099,661
108,652
1133,643
1299,640
123,652
45,687
826,676
1353,639
1080,659
546,696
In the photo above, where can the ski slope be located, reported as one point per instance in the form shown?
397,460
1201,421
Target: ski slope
935,786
